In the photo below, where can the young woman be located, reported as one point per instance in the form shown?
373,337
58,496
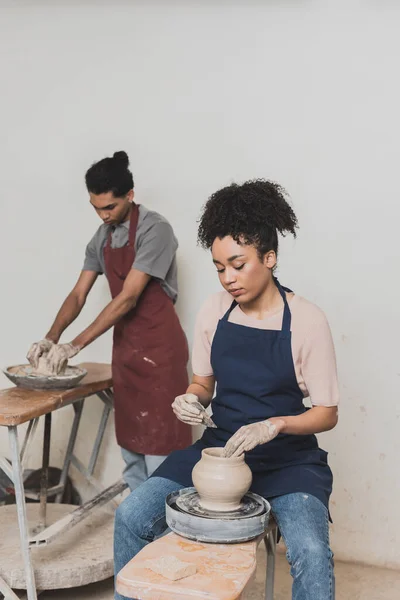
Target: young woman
264,349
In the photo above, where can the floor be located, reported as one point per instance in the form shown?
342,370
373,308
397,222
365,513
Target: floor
353,582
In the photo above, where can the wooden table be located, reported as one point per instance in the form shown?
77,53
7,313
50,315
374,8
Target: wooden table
19,406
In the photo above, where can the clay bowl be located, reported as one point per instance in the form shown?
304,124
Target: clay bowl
22,376
221,482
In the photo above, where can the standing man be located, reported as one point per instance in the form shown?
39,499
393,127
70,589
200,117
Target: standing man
136,249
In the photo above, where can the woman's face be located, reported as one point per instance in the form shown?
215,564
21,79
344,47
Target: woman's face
240,270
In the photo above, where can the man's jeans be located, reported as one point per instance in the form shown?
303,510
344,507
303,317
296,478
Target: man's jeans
139,467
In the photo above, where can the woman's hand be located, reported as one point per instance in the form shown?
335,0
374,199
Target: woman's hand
249,436
186,409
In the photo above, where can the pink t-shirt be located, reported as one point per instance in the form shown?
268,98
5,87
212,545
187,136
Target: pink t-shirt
312,345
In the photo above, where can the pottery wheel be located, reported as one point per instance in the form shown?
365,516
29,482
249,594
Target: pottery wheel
251,506
187,518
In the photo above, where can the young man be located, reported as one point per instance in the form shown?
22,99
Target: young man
135,248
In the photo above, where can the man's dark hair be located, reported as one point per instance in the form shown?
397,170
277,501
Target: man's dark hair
110,175
251,213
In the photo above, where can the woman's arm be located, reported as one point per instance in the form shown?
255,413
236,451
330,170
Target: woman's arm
203,388
315,420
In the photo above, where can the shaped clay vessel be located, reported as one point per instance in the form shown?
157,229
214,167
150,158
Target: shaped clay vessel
221,482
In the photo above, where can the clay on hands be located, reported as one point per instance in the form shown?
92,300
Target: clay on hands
189,410
44,368
249,436
37,350
206,419
59,355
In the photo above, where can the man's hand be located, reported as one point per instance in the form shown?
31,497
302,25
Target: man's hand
249,436
59,355
37,350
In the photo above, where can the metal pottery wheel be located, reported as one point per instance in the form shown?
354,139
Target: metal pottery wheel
187,518
22,376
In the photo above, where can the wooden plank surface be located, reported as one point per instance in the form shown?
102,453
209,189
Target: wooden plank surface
18,405
224,571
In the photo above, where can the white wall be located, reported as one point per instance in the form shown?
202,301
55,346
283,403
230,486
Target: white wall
200,94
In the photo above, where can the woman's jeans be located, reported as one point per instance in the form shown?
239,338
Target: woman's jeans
302,520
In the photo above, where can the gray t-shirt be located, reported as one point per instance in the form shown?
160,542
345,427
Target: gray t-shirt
155,247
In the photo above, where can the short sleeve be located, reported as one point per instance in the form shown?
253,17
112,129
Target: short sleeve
318,364
205,328
156,250
91,262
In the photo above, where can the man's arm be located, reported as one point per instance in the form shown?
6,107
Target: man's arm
126,300
68,312
72,305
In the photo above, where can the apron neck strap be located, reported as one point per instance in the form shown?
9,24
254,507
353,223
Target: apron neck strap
228,312
287,315
133,224
132,227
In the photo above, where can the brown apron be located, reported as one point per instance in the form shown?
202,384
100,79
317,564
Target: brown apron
150,355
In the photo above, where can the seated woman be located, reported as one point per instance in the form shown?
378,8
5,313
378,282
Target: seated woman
264,349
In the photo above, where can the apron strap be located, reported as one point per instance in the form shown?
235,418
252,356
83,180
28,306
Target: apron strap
228,312
287,315
133,224
132,228
108,241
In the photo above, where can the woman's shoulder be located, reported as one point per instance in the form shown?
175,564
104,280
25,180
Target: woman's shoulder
306,313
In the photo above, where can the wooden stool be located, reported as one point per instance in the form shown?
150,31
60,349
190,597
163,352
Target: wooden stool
224,571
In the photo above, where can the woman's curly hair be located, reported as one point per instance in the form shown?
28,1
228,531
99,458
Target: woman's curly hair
251,213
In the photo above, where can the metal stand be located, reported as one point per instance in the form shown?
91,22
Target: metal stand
270,541
44,535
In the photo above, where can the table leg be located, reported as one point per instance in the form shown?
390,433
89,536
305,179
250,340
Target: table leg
21,512
99,439
78,408
30,433
44,480
6,591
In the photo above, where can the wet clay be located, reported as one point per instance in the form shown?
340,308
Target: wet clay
171,567
44,369
221,482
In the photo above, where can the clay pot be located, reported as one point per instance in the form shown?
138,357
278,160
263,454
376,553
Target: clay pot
221,482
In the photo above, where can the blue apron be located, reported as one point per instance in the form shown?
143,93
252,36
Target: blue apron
256,380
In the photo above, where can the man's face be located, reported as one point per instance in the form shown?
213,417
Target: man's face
110,209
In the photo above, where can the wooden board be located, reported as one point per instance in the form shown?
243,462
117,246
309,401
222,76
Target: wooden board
19,405
224,571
